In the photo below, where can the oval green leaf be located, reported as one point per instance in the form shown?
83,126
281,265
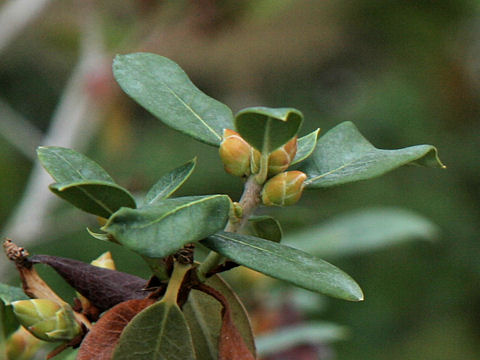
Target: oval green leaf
169,183
266,129
363,230
95,197
160,229
285,263
68,166
9,293
164,89
203,315
343,155
306,145
159,332
266,227
82,182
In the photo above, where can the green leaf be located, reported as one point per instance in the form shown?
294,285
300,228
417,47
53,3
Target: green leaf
8,320
304,334
82,182
9,294
162,228
266,227
202,313
159,332
94,197
170,182
266,129
363,230
163,88
343,155
68,166
306,145
285,263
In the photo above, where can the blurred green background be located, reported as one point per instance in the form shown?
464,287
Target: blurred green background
405,73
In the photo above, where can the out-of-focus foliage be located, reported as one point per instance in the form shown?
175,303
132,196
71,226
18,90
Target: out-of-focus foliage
403,72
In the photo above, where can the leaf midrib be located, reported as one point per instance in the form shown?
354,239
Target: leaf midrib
173,211
191,109
203,326
77,171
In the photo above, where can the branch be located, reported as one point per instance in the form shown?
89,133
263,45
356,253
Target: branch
73,123
15,15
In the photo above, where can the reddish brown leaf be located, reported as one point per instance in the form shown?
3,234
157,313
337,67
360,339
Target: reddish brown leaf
100,342
231,345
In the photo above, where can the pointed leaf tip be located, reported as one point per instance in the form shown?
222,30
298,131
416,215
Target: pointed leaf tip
170,182
285,263
343,155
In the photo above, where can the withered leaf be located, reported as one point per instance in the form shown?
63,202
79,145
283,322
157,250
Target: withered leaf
231,345
104,288
100,342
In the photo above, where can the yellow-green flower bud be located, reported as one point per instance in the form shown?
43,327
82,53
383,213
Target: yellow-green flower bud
283,189
46,319
280,159
104,261
235,153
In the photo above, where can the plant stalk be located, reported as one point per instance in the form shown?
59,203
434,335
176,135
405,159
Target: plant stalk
175,283
249,202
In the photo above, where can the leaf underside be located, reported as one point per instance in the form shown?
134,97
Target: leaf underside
101,199
101,340
266,129
159,332
202,313
82,182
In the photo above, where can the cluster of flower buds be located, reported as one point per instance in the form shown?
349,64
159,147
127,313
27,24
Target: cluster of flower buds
241,159
47,320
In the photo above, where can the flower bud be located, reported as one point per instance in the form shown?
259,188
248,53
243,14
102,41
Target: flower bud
283,189
104,261
46,319
280,159
235,153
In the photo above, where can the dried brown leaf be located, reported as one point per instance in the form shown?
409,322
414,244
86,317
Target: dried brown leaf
104,288
100,342
231,345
